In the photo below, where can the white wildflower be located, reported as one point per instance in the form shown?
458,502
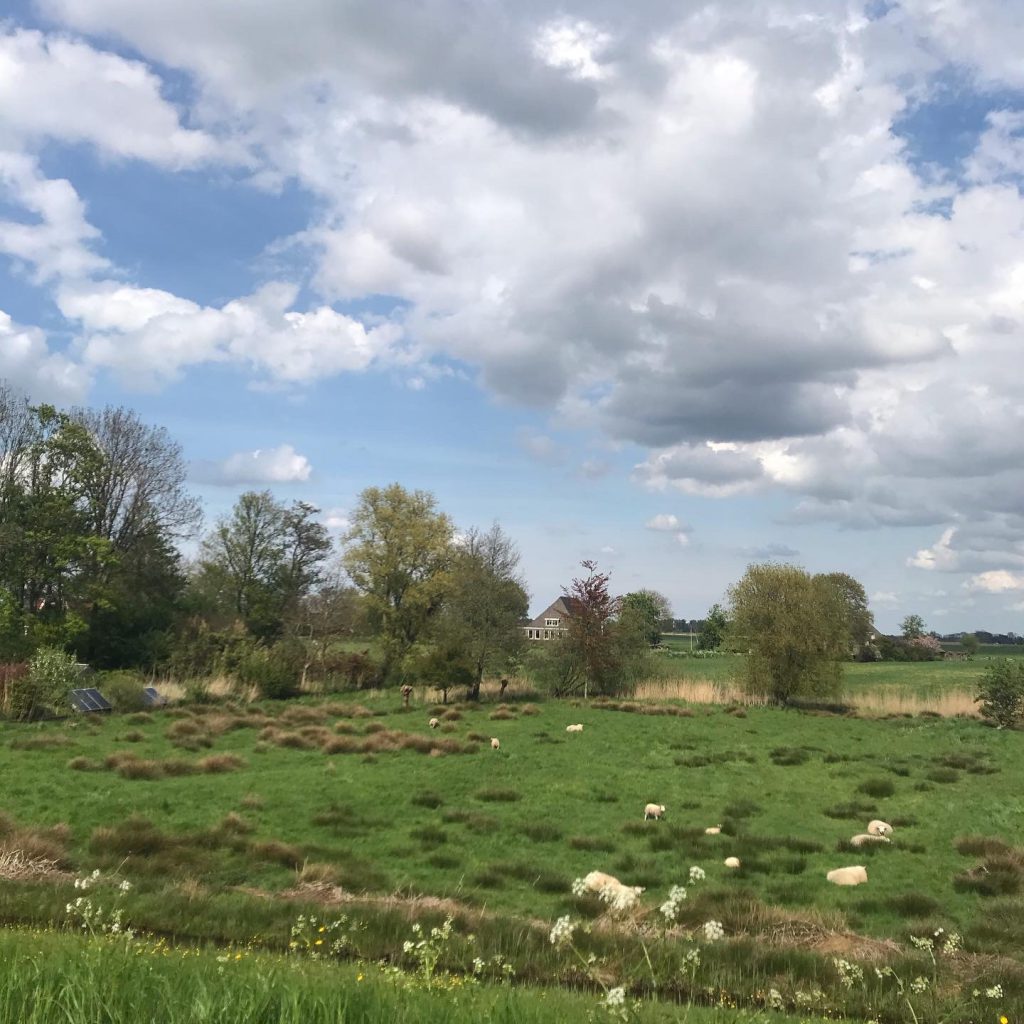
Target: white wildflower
849,974
775,1000
561,933
713,931
995,992
579,887
615,997
919,985
125,886
697,874
670,908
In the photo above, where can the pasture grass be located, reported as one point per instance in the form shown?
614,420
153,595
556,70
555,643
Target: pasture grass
223,854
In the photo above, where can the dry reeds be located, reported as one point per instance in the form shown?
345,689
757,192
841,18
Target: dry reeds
391,740
218,764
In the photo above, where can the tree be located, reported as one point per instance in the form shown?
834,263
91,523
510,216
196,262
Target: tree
398,555
604,649
712,633
260,561
795,628
1001,692
860,622
485,605
969,644
651,610
912,627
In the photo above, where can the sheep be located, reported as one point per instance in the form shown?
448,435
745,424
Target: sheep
434,723
855,875
611,891
654,811
879,828
578,727
495,743
714,830
731,862
864,839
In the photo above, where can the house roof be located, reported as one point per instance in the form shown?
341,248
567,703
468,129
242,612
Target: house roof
561,607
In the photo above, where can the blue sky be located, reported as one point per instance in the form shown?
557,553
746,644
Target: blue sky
673,289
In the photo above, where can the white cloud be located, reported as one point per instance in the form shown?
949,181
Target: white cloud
939,556
996,581
61,88
665,521
884,597
280,465
150,336
27,361
336,519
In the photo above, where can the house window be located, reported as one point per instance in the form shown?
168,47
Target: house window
547,635
552,622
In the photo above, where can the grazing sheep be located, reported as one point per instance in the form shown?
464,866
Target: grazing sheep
654,811
578,727
732,862
611,890
879,828
495,743
855,875
864,839
434,723
714,830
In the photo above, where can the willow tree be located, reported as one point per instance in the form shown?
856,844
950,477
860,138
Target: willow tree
399,555
795,630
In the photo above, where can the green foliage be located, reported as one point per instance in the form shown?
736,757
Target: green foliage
51,675
912,627
399,556
796,631
854,599
275,671
1001,692
123,689
969,644
712,633
651,610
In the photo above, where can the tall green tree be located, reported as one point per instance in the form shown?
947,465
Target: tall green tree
399,554
912,627
480,621
650,610
794,628
712,632
262,559
851,594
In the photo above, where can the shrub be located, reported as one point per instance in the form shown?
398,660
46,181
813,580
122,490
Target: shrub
123,690
877,787
274,671
1001,693
51,676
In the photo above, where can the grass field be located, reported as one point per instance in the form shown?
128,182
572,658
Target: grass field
226,821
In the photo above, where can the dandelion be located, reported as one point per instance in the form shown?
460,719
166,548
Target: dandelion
561,933
713,931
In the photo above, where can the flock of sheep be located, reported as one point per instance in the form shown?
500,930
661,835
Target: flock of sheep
609,888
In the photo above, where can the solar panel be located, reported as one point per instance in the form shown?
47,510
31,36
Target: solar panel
152,699
89,699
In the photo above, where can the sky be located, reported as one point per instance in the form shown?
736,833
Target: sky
675,286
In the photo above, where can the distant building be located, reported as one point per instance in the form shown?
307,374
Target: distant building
553,621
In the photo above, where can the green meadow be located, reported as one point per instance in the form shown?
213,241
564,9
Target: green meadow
229,821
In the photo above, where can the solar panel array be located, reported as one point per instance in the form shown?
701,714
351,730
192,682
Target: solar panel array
89,699
152,699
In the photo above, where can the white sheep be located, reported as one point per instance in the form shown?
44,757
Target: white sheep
578,727
654,811
855,875
714,830
495,743
731,862
879,828
434,723
866,839
611,890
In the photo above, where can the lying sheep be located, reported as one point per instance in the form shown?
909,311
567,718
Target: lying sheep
714,830
495,743
732,862
866,839
654,811
879,828
434,723
611,890
855,875
578,727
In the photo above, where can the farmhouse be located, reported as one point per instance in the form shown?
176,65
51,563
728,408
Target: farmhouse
553,621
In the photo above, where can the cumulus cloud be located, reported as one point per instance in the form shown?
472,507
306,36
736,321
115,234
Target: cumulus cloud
884,597
280,465
668,522
151,336
996,581
61,88
28,361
